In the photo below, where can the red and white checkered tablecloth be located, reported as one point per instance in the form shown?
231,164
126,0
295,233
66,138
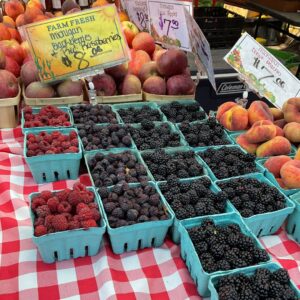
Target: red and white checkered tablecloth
157,273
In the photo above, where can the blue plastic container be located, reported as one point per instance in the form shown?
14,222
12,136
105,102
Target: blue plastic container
173,129
53,167
139,105
293,224
91,154
70,243
248,272
271,177
173,151
226,136
140,235
175,228
211,174
267,223
190,256
36,110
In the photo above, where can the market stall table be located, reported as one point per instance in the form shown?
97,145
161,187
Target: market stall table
157,273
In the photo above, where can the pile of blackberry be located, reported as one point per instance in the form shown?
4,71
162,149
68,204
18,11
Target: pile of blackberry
95,113
251,197
113,168
126,205
137,115
192,199
180,164
177,113
95,137
222,248
151,137
228,162
263,284
209,133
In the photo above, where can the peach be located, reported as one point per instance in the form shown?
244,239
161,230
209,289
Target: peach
279,145
291,110
39,18
292,132
15,35
144,41
260,134
4,33
9,86
262,122
131,85
290,174
12,49
105,85
36,4
29,73
157,53
69,88
12,66
280,123
31,14
13,8
242,141
279,131
259,110
147,70
39,90
277,113
8,21
235,118
281,183
2,60
223,108
118,72
138,59
20,20
155,85
275,163
297,156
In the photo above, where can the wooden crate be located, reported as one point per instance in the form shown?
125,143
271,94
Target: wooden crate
162,98
120,98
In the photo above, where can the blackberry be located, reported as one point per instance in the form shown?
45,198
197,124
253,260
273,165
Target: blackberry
281,275
136,115
228,293
260,255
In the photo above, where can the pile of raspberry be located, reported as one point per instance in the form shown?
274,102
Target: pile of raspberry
51,143
47,116
65,210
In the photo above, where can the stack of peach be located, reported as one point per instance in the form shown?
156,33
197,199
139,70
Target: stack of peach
285,170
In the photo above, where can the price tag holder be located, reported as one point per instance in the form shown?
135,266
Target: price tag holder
262,71
201,48
167,22
137,11
78,44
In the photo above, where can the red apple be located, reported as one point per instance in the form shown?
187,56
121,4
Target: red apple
130,31
9,86
2,60
12,66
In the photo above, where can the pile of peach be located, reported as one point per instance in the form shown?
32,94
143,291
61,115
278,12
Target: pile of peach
285,170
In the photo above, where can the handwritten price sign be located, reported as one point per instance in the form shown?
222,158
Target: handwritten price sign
138,13
167,22
262,71
77,44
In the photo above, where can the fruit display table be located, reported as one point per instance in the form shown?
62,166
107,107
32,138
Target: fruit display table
153,273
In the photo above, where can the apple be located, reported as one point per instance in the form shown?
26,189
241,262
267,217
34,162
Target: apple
130,31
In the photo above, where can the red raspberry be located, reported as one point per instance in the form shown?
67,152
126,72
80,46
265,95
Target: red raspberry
40,230
74,224
89,223
46,195
32,146
62,138
42,211
30,153
50,152
48,221
85,197
67,123
74,143
81,206
59,223
63,195
27,109
74,198
85,214
73,135
68,216
55,134
72,149
48,139
36,202
42,134
79,187
93,205
96,214
44,146
39,221
64,207
52,204
65,145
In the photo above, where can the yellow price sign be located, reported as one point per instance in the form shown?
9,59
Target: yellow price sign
77,44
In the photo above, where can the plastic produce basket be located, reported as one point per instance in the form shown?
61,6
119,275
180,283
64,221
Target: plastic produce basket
267,223
139,105
271,177
36,110
173,151
70,243
260,169
221,27
293,224
189,254
248,272
89,155
132,147
225,135
140,235
53,167
173,128
182,102
175,228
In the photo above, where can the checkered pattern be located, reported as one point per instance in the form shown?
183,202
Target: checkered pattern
146,274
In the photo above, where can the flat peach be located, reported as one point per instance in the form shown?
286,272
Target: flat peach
223,108
290,174
258,111
291,110
275,163
277,146
292,132
260,134
235,119
242,141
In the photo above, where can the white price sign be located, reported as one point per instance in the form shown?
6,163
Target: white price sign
138,13
167,22
263,73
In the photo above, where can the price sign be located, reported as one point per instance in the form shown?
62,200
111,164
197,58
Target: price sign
78,44
167,22
138,13
201,48
262,71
